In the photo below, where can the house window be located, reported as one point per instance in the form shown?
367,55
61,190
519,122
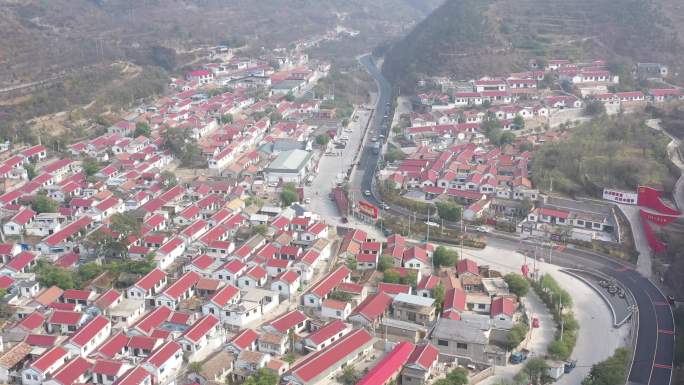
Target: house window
311,300
442,342
480,306
461,345
338,313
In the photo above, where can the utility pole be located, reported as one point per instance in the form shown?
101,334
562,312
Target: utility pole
427,235
560,315
462,232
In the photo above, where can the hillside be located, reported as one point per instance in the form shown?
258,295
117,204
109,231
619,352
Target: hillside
44,38
469,38
618,152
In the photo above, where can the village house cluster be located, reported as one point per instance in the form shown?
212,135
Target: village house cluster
458,108
232,284
450,156
482,178
210,287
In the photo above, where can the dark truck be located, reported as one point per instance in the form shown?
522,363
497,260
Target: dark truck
375,147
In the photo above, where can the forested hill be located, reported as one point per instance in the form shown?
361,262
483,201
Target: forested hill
467,38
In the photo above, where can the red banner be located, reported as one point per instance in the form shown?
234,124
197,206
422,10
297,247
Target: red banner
368,209
658,219
653,242
650,197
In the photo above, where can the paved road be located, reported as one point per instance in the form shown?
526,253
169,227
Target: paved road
362,180
654,352
655,342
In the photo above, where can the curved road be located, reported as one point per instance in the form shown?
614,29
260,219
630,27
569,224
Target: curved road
654,352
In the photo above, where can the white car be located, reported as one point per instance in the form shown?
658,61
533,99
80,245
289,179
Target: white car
374,139
307,200
348,130
367,193
481,229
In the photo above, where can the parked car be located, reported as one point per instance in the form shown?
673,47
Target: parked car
535,322
481,229
367,193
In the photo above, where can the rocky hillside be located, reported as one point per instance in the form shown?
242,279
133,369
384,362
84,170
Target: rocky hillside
466,38
43,38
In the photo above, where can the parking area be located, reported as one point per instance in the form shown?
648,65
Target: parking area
333,167
612,293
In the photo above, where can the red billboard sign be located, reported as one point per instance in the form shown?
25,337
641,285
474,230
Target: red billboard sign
368,209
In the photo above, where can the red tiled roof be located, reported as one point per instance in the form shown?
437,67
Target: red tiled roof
41,340
455,299
554,213
150,279
63,306
467,266
428,282
287,277
23,216
318,363
32,321
69,373
79,295
113,345
329,282
67,260
288,320
64,317
350,287
107,367
170,246
6,281
135,376
159,333
68,231
21,260
327,331
6,248
108,298
86,333
502,305
203,261
142,342
257,272
234,266
393,288
373,306
223,296
48,358
180,317
245,338
153,319
184,283
200,328
163,353
424,356
389,366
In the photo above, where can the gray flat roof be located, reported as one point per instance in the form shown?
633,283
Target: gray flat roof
289,161
459,331
414,299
